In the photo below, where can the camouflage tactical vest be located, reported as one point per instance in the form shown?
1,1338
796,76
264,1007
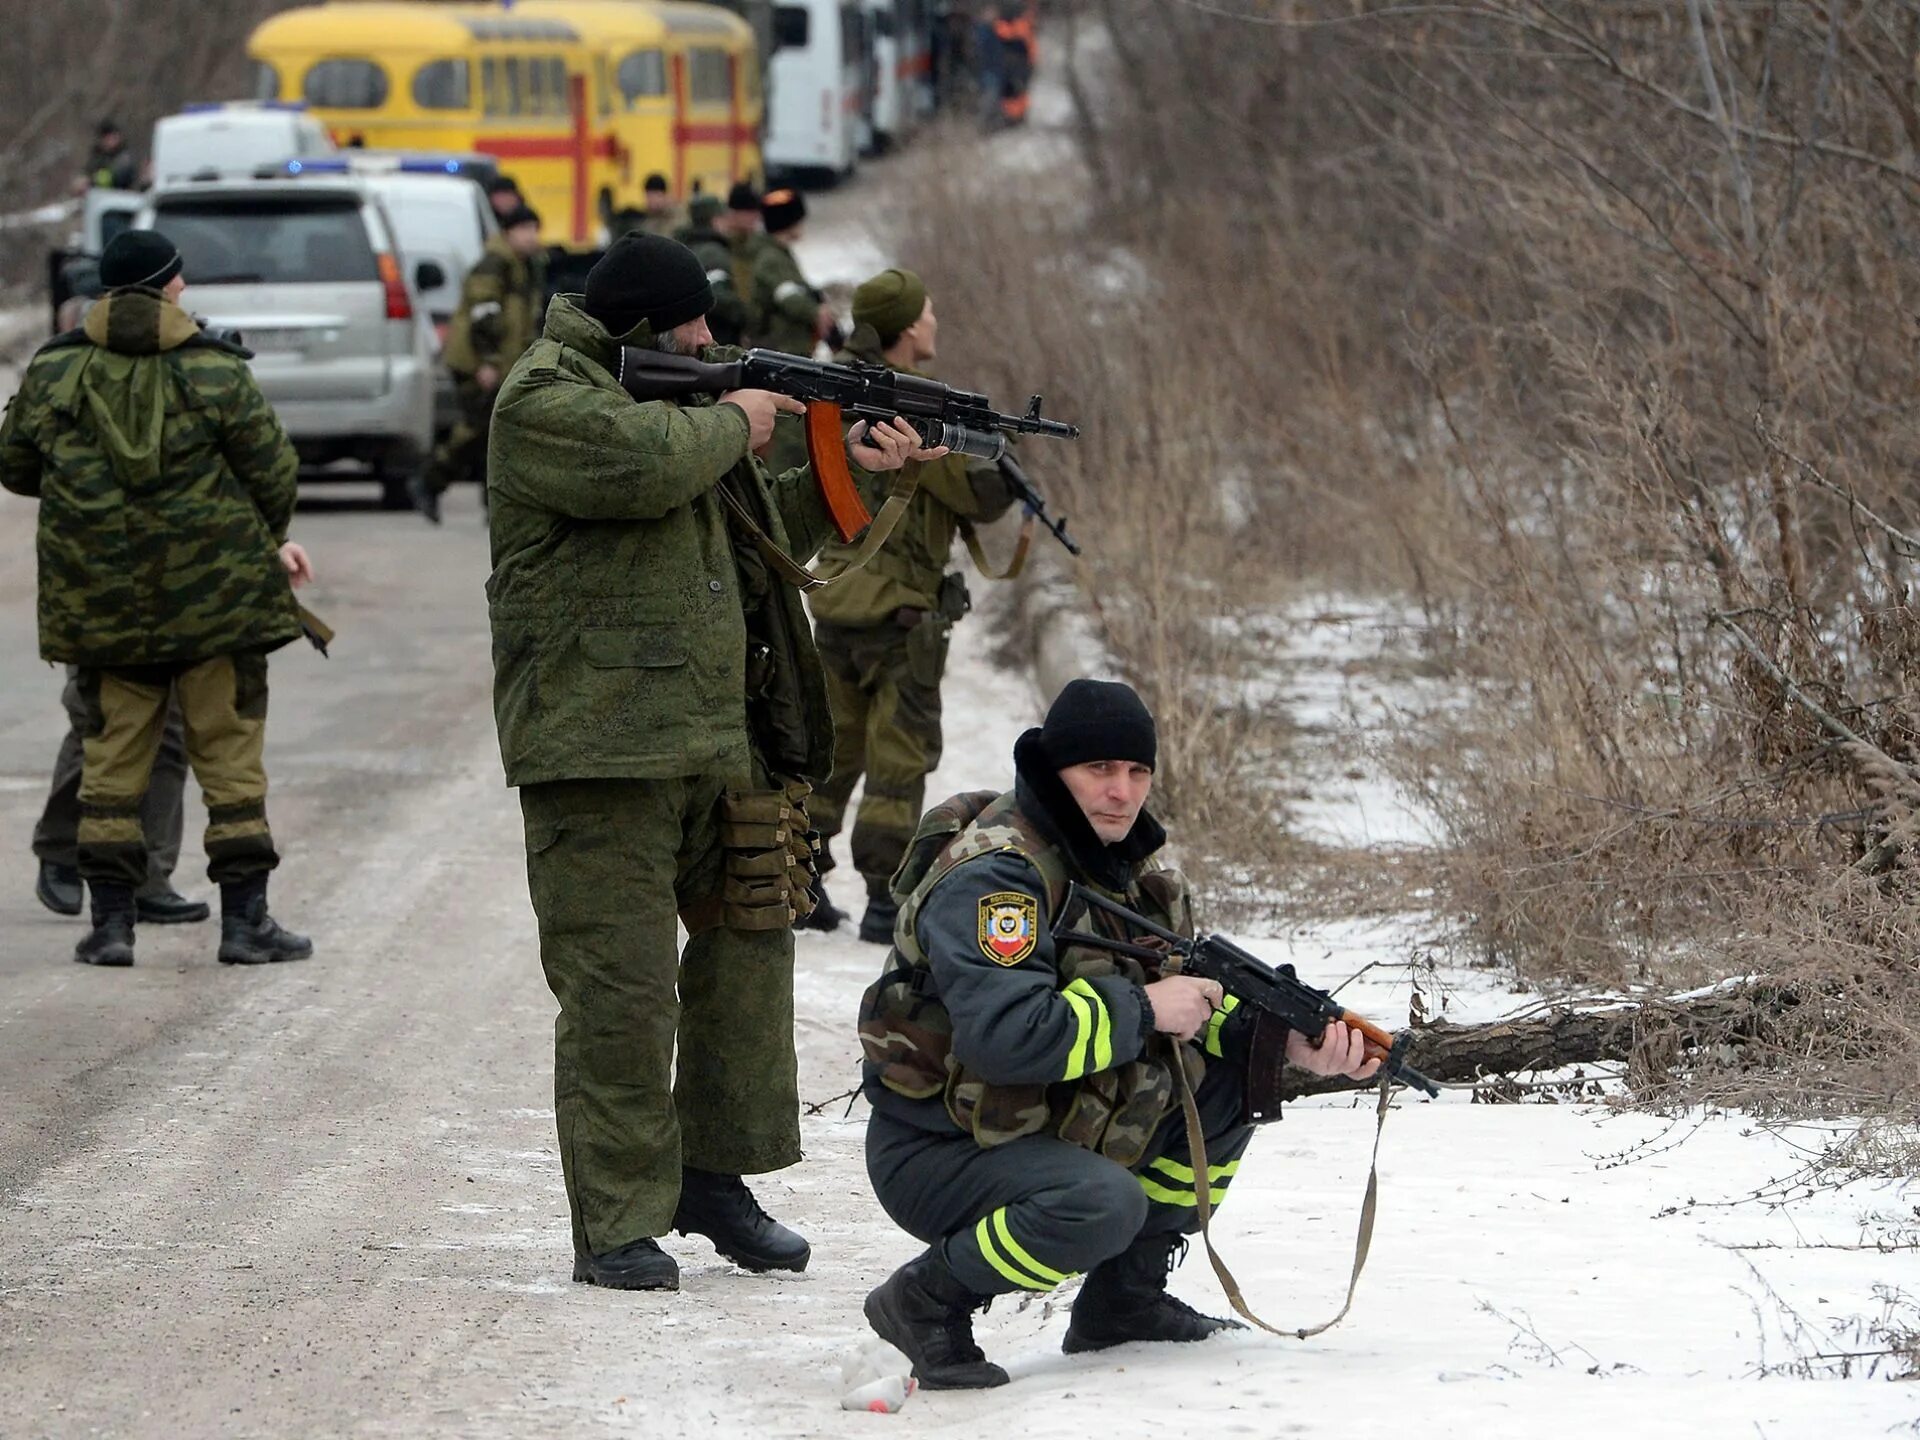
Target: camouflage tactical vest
907,1034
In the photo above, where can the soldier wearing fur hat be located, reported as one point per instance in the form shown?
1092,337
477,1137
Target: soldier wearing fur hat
497,319
1024,1122
661,710
883,631
166,486
788,313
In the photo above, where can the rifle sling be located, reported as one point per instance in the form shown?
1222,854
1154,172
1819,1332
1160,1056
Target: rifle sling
979,554
1203,1198
899,493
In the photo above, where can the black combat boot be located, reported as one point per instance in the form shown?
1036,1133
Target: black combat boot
876,926
59,888
110,942
826,917
721,1208
643,1265
248,934
160,904
925,1313
1126,1299
426,500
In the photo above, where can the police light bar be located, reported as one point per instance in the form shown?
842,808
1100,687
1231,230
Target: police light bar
211,107
316,167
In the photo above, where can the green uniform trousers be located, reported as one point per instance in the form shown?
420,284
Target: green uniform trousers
611,865
223,715
56,839
463,454
883,683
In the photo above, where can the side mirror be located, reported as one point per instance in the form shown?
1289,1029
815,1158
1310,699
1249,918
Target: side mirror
428,275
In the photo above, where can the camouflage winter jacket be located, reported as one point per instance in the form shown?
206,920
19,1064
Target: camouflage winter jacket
785,307
165,483
979,1024
637,631
910,569
499,314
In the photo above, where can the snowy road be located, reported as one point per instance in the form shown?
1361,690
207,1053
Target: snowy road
323,1200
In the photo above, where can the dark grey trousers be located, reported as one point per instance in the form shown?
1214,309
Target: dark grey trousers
56,838
1028,1214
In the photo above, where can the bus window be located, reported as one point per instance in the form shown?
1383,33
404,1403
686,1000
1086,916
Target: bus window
442,85
536,91
492,102
790,27
642,76
266,81
510,67
559,92
709,78
346,85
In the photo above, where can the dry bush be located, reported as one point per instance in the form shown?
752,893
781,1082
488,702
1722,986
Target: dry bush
68,65
1592,325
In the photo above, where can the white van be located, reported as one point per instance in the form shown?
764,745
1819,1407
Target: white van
817,84
233,138
902,40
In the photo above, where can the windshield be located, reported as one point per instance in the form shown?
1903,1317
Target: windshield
292,240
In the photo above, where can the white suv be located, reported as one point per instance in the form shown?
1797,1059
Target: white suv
311,275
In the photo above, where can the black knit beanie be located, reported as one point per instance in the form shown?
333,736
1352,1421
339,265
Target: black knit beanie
1099,720
521,214
647,277
743,197
138,257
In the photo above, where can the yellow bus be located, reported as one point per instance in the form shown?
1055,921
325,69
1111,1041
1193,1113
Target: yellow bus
578,100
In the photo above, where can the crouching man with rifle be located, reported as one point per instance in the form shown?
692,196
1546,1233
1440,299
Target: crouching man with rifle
1038,1103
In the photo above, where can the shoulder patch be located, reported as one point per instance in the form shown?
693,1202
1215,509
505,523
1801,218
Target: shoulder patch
1009,926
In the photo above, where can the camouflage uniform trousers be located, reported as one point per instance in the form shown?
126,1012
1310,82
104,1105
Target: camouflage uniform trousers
56,839
883,684
1028,1214
612,866
223,713
463,454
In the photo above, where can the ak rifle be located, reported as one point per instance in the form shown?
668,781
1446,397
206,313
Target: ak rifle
837,395
1279,992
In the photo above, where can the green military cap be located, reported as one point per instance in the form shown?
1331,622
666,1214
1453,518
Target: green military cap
890,302
704,209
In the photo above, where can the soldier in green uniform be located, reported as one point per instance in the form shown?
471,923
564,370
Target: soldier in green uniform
728,318
883,632
660,217
788,313
740,223
166,486
110,165
661,709
497,319
1025,1122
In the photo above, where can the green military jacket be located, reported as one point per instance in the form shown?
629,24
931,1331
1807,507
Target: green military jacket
623,598
909,569
499,310
165,484
728,318
785,307
745,252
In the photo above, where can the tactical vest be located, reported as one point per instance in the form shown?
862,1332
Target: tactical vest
907,1034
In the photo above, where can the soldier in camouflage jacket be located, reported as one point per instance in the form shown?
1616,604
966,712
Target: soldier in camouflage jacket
1025,1122
166,486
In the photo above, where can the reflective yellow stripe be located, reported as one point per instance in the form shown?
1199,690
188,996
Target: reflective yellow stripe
1184,1173
1103,1034
984,1237
1018,1252
1083,1028
1212,1042
1157,1191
